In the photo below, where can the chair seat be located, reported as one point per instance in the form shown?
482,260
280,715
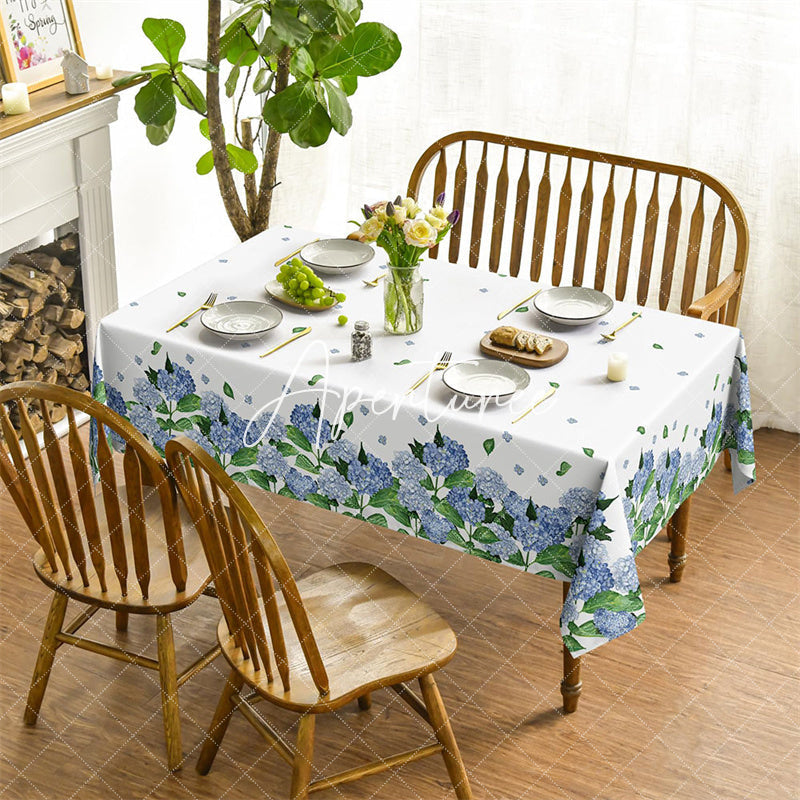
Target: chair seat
162,595
372,632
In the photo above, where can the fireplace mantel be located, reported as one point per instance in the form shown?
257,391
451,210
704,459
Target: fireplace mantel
55,168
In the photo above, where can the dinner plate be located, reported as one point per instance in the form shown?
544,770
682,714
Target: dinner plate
484,378
241,319
274,289
336,256
573,305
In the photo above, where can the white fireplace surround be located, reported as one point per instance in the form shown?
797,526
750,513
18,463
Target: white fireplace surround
59,172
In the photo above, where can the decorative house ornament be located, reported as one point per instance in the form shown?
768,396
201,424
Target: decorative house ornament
76,73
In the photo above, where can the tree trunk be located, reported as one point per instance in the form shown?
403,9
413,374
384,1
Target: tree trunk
227,187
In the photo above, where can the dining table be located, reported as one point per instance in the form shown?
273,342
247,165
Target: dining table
572,491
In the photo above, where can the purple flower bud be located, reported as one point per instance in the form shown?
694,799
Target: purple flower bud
453,216
440,199
398,201
367,211
389,210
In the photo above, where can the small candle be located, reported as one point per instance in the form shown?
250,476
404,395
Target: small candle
15,98
617,366
103,72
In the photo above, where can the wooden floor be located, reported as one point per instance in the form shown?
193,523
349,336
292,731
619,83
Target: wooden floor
700,702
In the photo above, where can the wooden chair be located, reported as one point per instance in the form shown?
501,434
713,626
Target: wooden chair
87,553
666,261
314,645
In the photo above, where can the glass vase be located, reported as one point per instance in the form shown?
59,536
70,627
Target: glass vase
402,300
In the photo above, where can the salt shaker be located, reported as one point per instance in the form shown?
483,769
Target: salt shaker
361,340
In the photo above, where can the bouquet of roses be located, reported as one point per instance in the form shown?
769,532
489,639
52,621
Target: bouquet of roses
406,235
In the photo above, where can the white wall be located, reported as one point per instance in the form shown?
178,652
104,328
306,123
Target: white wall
706,83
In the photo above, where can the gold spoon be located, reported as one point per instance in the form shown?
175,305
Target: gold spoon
613,335
288,341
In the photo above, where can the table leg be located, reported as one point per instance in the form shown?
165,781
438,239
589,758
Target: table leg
571,682
679,529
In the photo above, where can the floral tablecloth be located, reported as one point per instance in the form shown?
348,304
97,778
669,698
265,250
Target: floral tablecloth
573,491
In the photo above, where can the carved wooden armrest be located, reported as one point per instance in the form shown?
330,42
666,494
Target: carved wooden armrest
704,307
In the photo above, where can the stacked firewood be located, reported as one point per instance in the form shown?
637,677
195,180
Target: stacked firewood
42,324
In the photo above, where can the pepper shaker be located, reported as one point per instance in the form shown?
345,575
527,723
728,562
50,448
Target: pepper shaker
361,341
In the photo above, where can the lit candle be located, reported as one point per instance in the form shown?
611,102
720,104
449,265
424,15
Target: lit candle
15,98
103,72
617,366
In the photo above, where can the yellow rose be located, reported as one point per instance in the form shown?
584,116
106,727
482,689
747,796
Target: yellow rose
437,218
371,228
419,233
411,207
379,211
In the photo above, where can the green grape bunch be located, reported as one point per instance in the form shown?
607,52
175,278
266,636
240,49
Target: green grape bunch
304,286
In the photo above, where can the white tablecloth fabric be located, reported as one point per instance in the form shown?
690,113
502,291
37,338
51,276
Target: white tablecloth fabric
571,492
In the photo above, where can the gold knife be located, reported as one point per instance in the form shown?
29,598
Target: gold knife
288,341
541,400
517,305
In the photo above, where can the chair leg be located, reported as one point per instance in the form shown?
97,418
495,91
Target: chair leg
122,621
169,691
679,526
365,702
44,661
301,771
219,724
444,734
571,684
726,456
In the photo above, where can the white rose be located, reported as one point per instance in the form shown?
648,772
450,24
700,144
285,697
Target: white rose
379,210
419,233
411,207
400,215
371,228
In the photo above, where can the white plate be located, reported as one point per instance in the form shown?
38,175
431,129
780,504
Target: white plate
241,319
485,377
335,256
573,305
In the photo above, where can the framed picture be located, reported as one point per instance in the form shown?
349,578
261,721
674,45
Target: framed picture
34,35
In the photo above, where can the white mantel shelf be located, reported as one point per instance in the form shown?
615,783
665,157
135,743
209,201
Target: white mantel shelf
55,168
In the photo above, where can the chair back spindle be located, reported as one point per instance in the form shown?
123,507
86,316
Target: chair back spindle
695,255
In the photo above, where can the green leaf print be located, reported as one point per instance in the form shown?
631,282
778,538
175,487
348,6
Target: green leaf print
316,379
614,601
557,555
156,348
564,468
461,477
657,346
587,629
189,402
640,429
226,388
488,446
589,452
403,362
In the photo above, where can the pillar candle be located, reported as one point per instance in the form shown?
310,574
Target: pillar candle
617,366
104,72
15,98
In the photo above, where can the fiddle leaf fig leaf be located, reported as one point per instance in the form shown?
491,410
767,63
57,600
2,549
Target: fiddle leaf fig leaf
242,159
286,109
301,64
205,163
319,16
368,49
189,94
155,101
263,81
200,63
158,134
126,80
314,129
339,108
349,84
168,36
288,27
233,79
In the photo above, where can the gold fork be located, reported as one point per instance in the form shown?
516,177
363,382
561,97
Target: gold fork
374,281
613,335
444,363
209,303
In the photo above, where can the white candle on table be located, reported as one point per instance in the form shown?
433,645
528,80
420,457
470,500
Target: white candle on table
15,98
104,72
617,366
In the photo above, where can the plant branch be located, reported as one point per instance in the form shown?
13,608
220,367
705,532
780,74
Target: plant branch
227,187
270,166
239,108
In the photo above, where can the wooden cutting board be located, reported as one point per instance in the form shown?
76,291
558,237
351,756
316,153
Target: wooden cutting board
551,356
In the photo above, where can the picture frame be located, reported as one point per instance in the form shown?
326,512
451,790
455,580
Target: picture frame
34,34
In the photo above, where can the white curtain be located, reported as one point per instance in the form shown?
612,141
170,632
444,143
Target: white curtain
713,85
